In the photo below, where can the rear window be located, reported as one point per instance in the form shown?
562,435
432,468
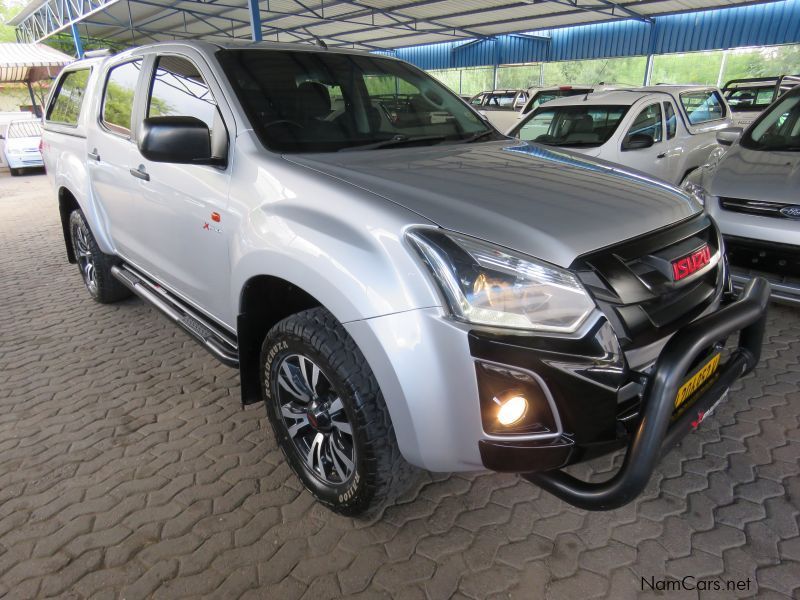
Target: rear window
703,106
500,100
23,129
118,97
751,98
68,98
582,125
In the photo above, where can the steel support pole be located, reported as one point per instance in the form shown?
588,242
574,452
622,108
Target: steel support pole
255,19
33,100
648,70
76,37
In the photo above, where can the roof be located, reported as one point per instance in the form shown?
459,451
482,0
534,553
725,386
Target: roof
366,24
625,97
30,62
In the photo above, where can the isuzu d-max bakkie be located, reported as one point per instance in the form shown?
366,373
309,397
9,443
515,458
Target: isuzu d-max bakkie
398,282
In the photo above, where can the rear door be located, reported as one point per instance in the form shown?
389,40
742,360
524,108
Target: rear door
183,208
110,144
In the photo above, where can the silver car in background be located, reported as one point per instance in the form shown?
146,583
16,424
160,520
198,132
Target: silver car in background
753,193
663,131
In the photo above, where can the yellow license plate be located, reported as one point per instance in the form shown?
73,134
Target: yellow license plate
697,380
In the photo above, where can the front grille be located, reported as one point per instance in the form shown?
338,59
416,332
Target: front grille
767,257
760,208
633,285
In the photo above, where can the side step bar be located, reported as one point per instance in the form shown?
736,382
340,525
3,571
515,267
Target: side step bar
218,343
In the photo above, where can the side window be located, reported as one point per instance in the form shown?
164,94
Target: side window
68,98
671,119
477,100
648,123
178,89
118,97
703,106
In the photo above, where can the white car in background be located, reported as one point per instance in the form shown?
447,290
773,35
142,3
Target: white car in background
748,98
500,107
539,96
21,145
664,131
753,192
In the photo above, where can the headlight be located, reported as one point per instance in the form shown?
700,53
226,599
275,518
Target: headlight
696,191
489,285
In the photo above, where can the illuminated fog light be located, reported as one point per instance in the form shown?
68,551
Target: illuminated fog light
512,410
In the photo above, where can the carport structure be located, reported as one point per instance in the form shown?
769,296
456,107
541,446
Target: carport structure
29,63
364,24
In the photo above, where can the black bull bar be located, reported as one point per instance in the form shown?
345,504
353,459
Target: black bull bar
654,435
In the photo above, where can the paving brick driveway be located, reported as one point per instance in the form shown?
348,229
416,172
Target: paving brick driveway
128,469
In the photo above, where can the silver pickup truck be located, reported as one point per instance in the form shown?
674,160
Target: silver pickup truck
400,284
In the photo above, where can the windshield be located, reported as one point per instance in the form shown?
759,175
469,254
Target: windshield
546,95
778,129
306,101
571,125
23,129
750,98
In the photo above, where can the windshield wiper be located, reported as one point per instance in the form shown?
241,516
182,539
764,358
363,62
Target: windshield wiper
478,136
398,140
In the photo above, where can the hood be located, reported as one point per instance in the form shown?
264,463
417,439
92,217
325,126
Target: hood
593,151
23,143
756,175
548,203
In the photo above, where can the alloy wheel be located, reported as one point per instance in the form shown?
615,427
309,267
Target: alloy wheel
315,420
83,254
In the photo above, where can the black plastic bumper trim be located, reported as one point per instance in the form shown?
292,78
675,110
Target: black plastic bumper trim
747,315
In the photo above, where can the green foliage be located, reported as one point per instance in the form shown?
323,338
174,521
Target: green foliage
762,62
518,77
8,9
627,71
693,67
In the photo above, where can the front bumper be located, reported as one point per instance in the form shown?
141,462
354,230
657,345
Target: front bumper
655,434
778,263
24,161
606,399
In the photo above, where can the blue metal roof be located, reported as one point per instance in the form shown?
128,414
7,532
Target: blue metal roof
752,25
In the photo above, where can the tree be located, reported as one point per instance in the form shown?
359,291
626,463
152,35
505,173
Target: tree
8,9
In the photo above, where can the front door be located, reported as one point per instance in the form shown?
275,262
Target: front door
653,160
185,206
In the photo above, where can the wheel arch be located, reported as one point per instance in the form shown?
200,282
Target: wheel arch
264,300
67,203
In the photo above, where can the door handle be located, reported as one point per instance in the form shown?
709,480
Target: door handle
140,173
662,155
94,155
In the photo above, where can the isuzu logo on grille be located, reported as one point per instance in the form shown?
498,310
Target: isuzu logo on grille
793,212
691,263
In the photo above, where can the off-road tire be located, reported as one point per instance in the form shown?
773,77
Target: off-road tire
102,286
381,473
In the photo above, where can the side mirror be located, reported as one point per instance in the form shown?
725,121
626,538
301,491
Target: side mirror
181,140
637,141
729,135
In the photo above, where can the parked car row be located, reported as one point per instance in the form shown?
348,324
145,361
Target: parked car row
753,192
